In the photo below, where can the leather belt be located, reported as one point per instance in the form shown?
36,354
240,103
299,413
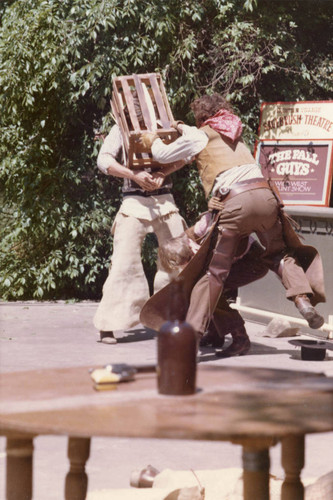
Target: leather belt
241,187
147,193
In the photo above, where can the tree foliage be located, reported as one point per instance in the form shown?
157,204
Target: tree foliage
57,60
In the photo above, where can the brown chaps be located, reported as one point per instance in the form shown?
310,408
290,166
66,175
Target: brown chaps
253,211
207,274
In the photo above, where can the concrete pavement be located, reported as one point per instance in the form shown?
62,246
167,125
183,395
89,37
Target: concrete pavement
44,335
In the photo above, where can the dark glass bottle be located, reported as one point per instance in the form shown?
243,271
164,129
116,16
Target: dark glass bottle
176,348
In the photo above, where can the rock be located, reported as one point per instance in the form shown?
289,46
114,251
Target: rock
280,327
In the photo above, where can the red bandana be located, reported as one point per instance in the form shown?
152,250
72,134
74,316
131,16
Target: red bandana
226,124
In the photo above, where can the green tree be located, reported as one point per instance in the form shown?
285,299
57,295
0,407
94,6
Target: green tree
57,60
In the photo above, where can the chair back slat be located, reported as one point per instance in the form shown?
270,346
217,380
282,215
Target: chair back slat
129,103
143,102
162,111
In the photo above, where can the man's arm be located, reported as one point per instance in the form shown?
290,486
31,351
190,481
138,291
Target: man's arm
107,163
144,179
188,145
160,175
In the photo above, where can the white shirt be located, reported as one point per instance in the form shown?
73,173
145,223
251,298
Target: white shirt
188,145
146,208
111,148
236,174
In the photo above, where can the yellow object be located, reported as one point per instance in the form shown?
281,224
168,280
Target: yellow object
105,387
104,376
147,139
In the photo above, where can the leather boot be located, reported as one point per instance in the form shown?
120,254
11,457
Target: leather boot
107,337
212,337
240,344
303,304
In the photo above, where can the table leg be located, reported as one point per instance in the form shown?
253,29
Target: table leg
77,480
256,465
19,468
292,462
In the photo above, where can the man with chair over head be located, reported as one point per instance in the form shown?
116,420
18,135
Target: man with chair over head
148,206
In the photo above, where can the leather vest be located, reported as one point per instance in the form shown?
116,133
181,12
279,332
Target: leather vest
219,155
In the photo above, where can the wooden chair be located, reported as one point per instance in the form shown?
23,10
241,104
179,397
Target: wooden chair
144,95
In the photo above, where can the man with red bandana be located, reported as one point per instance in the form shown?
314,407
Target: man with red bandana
227,167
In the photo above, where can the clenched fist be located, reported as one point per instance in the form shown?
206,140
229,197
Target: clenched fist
215,204
147,139
145,180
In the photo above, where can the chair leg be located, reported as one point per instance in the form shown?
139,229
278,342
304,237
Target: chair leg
19,468
293,448
256,465
77,480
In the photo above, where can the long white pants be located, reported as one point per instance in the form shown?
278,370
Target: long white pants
126,288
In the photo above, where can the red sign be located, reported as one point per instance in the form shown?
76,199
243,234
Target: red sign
295,150
300,170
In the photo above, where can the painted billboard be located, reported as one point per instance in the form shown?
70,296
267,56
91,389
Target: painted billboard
296,120
295,150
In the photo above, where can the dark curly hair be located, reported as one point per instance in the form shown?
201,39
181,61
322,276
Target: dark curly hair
208,105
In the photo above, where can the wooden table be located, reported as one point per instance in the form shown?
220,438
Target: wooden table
252,407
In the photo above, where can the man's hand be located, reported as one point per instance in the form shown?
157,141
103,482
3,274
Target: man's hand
145,180
215,204
178,125
147,139
159,178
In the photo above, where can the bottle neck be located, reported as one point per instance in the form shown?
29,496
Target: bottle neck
177,301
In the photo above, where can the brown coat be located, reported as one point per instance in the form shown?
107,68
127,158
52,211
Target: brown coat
308,257
155,310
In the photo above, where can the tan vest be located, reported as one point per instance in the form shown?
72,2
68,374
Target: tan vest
219,155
